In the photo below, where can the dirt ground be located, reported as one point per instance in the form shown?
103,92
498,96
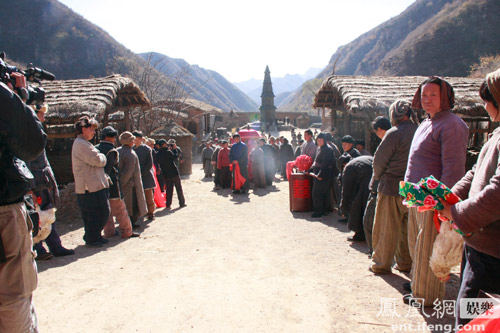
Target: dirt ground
226,263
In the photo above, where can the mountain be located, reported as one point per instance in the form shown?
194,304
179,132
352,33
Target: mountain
53,37
430,37
202,84
282,86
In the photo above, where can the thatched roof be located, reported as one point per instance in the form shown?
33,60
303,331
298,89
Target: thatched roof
185,105
70,99
170,130
374,94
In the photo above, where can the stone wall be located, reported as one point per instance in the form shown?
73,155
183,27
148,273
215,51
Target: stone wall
68,209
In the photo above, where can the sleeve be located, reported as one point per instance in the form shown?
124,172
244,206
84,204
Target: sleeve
462,187
148,163
111,161
347,188
453,153
482,209
383,155
127,166
20,129
92,156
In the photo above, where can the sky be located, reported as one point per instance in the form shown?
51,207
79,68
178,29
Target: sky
238,38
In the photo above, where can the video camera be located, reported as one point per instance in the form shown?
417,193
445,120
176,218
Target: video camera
16,80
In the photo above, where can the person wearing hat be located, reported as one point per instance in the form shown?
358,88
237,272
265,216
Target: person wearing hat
438,148
360,145
238,154
478,213
91,182
213,161
145,155
348,146
269,160
322,170
47,192
167,157
390,227
130,179
116,202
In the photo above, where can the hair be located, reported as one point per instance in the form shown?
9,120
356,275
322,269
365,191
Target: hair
308,131
360,142
285,140
486,94
382,123
137,134
85,122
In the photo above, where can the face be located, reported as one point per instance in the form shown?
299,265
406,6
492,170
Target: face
225,145
359,147
492,111
307,136
431,98
379,132
237,139
41,116
88,133
346,146
321,142
137,141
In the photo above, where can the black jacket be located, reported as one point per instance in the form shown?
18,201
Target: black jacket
167,160
111,168
324,164
21,138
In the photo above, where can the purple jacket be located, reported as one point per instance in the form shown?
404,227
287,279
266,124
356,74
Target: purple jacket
479,213
439,148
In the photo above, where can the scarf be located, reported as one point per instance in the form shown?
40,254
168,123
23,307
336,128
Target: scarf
447,94
493,80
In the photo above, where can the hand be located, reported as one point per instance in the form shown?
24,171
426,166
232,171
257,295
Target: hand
446,211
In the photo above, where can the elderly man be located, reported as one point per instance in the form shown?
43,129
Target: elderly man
322,171
116,203
145,155
167,157
206,159
239,155
390,228
348,146
91,182
130,179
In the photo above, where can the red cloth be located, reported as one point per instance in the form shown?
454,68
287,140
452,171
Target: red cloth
223,158
289,168
484,323
238,179
303,162
159,195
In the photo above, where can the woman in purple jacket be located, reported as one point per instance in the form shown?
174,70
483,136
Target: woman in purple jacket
479,212
438,149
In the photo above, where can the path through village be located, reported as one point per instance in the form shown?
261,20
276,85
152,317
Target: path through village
225,263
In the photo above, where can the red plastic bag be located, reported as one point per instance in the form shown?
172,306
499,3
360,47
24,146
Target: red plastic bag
303,162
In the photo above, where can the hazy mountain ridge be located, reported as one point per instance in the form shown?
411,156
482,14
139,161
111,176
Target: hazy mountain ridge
430,37
51,36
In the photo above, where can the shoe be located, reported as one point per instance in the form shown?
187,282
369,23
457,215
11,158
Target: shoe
151,217
168,208
183,205
376,270
134,234
94,244
356,238
217,188
236,192
135,226
406,270
104,240
64,252
317,214
408,299
44,256
407,286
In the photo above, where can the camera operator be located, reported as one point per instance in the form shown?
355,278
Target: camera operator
21,139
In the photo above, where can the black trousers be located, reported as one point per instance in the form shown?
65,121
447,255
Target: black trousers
480,271
95,211
225,177
169,184
321,195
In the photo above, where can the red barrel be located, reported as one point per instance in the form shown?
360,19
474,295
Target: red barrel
300,192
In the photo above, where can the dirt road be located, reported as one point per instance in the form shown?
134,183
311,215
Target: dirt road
224,263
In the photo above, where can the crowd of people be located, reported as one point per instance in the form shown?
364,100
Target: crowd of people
127,183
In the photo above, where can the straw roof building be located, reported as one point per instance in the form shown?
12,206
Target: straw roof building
355,101
184,140
108,99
